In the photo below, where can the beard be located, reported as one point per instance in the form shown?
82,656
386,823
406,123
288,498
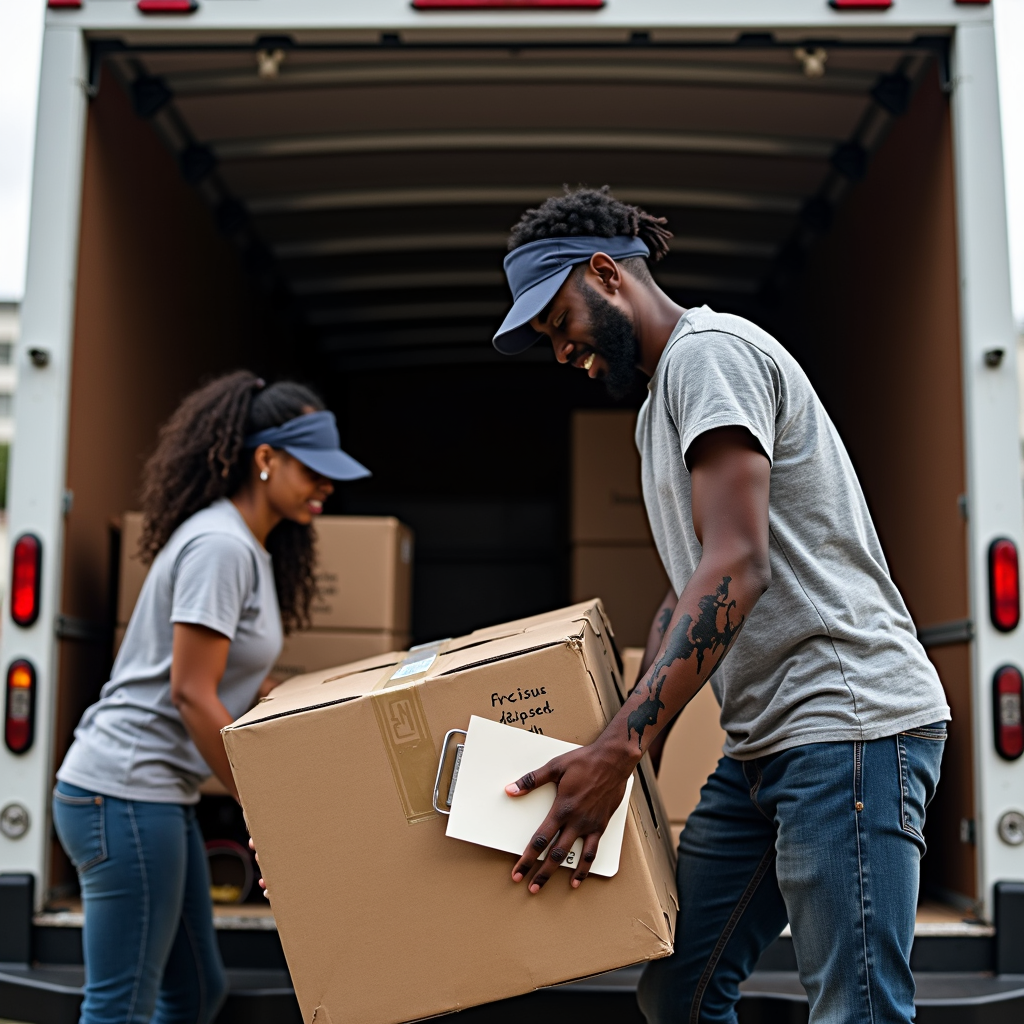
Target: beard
615,340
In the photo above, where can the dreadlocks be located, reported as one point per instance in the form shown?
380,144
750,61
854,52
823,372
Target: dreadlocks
594,211
200,457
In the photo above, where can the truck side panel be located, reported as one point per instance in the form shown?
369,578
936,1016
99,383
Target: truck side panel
37,465
878,317
991,402
161,305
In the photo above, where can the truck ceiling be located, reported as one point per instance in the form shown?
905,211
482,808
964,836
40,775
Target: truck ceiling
371,188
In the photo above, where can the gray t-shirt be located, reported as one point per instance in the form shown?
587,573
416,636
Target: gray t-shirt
829,653
212,572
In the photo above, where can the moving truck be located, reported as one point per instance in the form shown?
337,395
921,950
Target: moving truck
324,190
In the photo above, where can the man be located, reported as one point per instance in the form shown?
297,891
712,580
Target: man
835,718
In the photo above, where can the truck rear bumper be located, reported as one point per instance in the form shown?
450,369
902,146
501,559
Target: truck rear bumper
52,995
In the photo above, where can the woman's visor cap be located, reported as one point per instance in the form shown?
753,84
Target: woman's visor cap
313,440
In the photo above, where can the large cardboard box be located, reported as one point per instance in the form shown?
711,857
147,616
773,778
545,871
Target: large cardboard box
629,579
314,649
364,573
607,501
382,917
692,750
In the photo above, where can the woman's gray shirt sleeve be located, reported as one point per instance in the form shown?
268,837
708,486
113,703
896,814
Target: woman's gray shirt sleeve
214,578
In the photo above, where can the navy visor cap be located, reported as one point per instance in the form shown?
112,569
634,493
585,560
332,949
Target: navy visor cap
312,439
537,270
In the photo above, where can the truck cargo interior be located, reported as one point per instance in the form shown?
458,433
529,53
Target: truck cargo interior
339,214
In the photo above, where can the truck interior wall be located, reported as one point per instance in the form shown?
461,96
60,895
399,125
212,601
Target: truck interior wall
875,322
161,304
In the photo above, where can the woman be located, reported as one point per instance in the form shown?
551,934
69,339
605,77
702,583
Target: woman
238,474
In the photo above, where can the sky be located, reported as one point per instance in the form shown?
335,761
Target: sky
21,33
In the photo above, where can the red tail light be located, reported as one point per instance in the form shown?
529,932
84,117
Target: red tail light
25,572
491,5
20,706
167,6
65,5
1008,705
1003,584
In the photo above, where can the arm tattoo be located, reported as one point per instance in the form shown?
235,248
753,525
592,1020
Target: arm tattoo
703,637
664,619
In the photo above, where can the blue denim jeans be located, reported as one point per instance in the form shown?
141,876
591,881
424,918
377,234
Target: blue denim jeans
826,837
150,949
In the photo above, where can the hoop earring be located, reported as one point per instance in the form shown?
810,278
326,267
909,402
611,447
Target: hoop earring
264,476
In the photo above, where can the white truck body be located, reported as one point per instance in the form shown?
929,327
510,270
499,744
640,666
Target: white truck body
38,498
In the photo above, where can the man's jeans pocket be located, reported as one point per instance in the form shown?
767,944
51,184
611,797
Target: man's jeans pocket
79,818
920,757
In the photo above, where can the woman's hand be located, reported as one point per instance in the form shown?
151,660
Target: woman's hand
590,783
268,684
263,885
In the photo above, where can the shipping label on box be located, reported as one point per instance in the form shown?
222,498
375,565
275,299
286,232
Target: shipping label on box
336,770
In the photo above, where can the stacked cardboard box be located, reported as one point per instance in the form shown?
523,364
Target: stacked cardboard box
382,917
364,583
364,594
691,752
613,554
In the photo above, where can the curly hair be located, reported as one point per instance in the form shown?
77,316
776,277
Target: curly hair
199,457
594,211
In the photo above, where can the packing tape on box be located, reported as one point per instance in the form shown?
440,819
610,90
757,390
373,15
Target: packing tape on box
410,749
405,732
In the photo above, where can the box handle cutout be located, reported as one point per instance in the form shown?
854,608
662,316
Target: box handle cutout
455,770
647,796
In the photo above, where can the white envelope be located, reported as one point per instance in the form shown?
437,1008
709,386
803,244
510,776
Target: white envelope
483,813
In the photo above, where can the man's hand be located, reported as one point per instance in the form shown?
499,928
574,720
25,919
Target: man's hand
590,785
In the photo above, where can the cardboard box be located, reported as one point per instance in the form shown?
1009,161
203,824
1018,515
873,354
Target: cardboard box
364,573
607,500
315,649
692,750
131,571
382,917
628,578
